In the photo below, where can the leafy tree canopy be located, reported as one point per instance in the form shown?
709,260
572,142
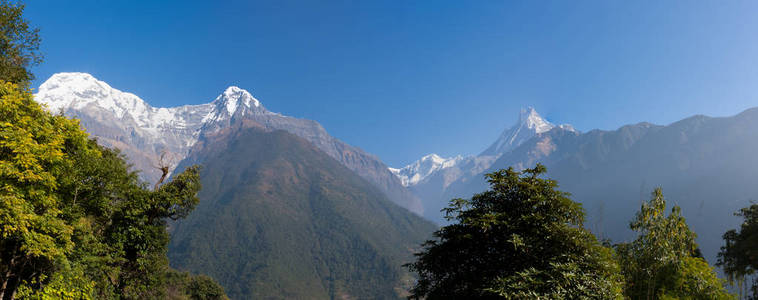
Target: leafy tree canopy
664,262
19,44
521,239
75,222
738,257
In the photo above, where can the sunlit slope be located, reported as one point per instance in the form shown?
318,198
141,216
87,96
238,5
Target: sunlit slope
280,219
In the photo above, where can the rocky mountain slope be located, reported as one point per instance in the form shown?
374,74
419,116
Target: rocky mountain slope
123,120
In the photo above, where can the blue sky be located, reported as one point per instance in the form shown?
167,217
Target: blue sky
401,79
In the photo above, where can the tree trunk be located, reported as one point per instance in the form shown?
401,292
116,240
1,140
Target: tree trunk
7,278
163,177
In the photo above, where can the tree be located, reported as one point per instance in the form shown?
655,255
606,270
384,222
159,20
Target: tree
738,255
664,262
520,239
33,236
75,221
19,44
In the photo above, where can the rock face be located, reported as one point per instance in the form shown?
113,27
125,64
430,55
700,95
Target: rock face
123,120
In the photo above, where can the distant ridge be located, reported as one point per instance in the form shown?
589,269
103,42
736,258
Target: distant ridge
706,165
430,177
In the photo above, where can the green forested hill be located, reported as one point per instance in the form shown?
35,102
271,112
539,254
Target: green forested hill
280,219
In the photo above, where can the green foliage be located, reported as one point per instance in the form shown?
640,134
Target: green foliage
280,219
19,44
663,262
738,255
34,237
182,285
64,284
75,222
521,239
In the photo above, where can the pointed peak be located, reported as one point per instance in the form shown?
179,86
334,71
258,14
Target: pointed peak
528,112
532,120
234,98
233,90
236,94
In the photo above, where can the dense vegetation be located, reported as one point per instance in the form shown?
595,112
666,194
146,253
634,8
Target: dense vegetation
520,239
523,239
75,221
280,219
664,261
19,44
738,255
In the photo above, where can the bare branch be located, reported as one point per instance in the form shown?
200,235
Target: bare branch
164,167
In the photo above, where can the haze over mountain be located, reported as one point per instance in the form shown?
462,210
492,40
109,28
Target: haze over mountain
123,120
705,165
431,176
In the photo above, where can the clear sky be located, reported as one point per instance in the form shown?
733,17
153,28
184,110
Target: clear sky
401,79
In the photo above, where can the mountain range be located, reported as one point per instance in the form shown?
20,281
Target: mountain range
144,133
431,176
708,166
705,165
286,210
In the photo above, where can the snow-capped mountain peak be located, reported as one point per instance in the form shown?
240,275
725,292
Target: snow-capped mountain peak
234,96
530,123
172,129
232,101
530,119
422,168
57,91
149,134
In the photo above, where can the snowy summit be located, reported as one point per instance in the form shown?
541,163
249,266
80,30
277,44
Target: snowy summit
148,129
530,124
423,168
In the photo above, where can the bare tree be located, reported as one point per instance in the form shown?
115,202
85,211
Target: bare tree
164,166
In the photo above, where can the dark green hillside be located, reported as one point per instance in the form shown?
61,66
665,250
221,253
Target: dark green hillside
280,219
